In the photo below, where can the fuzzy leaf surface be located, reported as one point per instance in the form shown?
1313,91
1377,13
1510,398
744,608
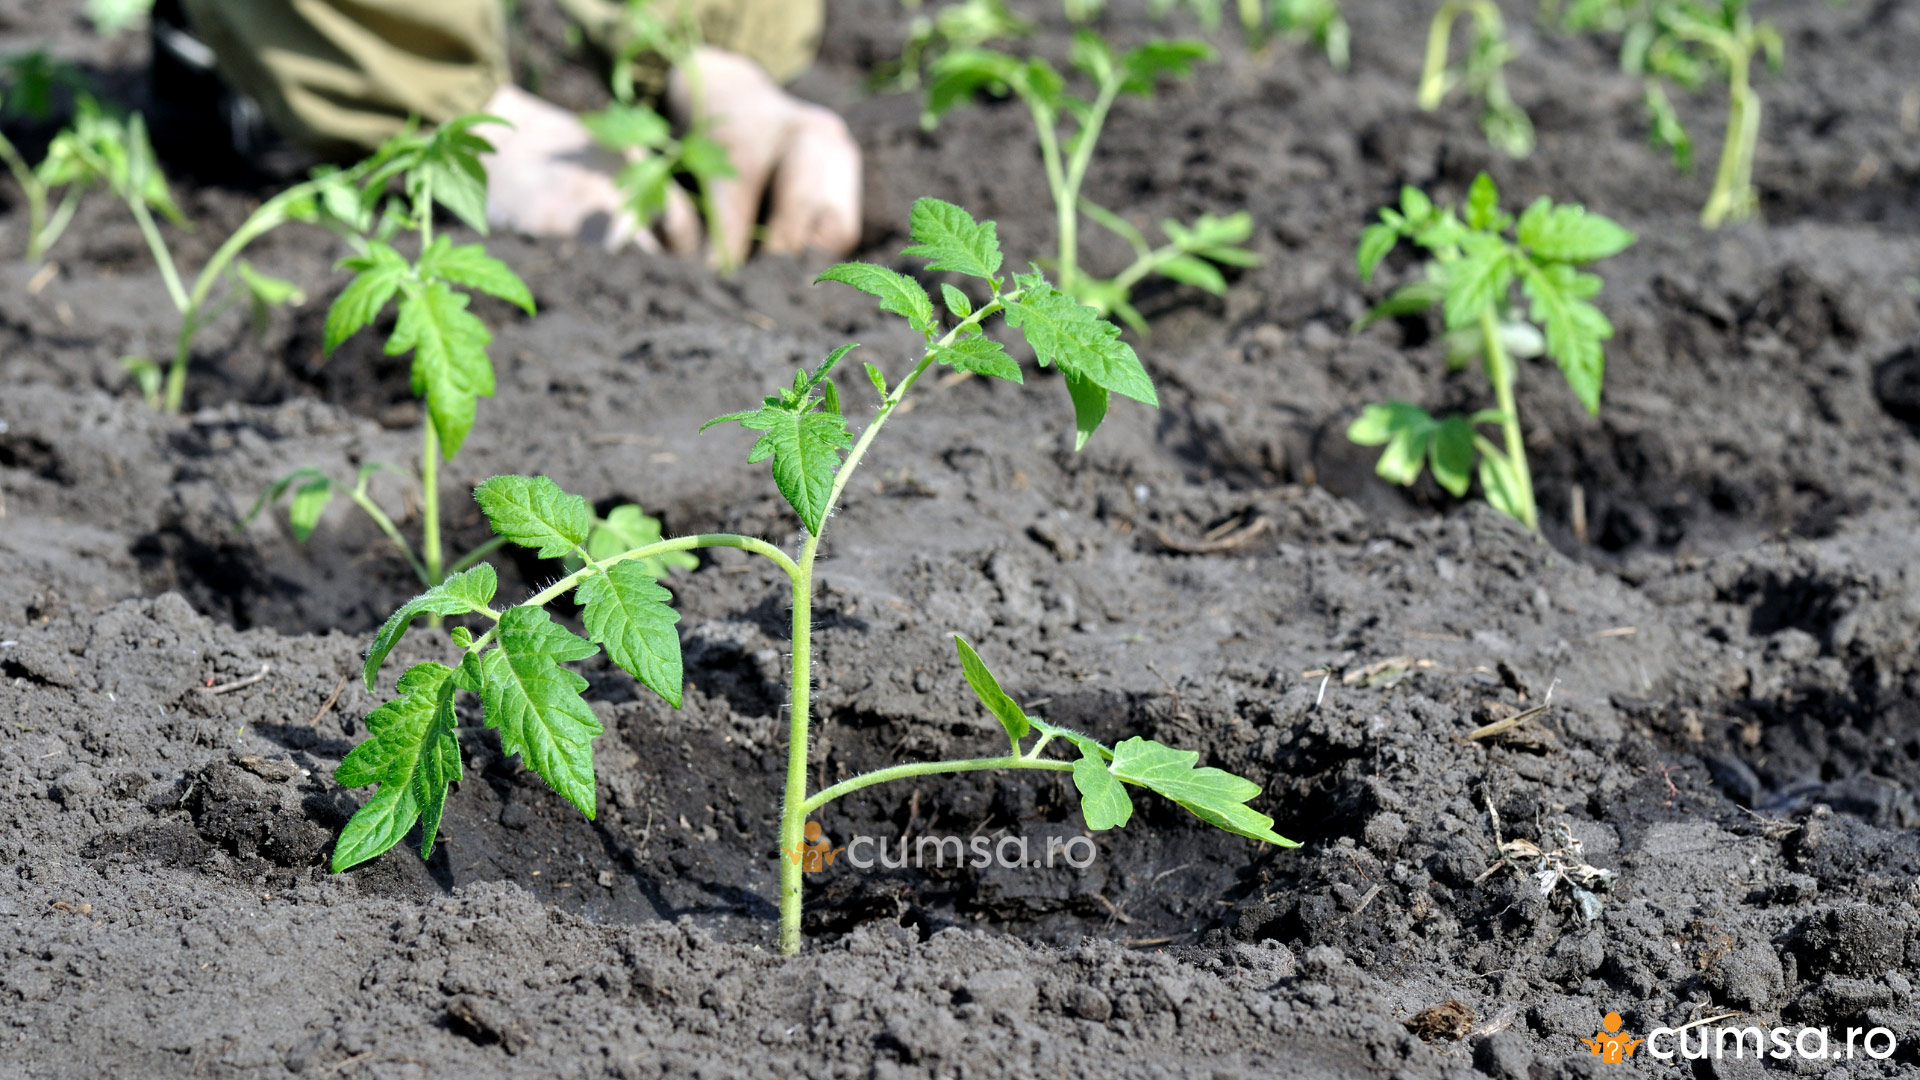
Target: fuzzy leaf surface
950,238
896,292
460,594
980,355
470,265
450,365
536,705
1213,795
377,276
535,512
412,754
1065,332
626,612
987,689
1104,801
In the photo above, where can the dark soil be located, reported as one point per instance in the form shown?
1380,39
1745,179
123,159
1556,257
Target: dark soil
1730,652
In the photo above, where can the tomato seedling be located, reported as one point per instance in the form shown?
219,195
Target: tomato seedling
100,148
32,80
1685,42
515,664
1475,264
968,24
451,369
646,139
1505,123
1193,254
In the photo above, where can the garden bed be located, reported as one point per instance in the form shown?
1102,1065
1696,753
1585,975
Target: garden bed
1730,649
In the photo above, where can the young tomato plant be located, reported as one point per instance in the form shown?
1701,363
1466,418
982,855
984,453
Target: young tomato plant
32,80
515,663
646,139
104,149
1505,123
967,24
1475,263
1319,22
451,369
1191,252
1685,42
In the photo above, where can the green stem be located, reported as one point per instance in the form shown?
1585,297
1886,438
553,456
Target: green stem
35,191
430,502
1065,213
1732,196
176,392
161,256
794,807
1433,74
365,502
1146,264
1069,198
1500,373
932,768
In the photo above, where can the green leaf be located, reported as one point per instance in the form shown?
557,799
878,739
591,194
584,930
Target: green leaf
1569,234
462,593
450,365
1478,279
705,158
1415,206
959,74
1089,409
1087,743
1375,242
950,238
1188,270
266,292
309,501
1410,299
536,705
626,611
805,447
627,527
1450,455
378,825
1148,62
987,689
897,292
410,751
535,512
628,127
1213,795
470,265
449,162
1405,430
439,768
981,355
956,301
1575,328
1065,332
377,277
1483,203
310,498
1104,802
879,380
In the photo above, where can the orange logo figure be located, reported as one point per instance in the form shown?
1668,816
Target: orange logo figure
1612,1044
816,854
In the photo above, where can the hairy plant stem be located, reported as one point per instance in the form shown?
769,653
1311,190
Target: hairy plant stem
796,806
1433,75
191,304
930,768
372,509
430,551
1732,197
1064,179
36,193
1500,373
